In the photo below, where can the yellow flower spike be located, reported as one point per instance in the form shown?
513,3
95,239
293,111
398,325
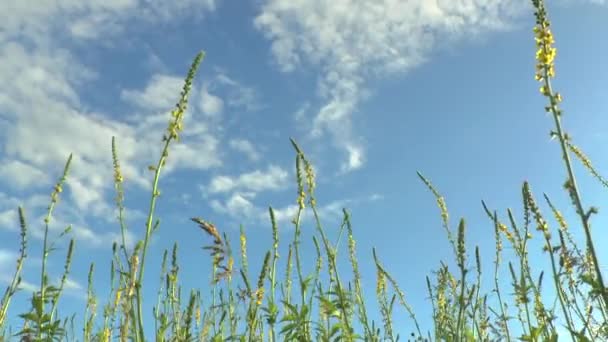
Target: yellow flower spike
260,296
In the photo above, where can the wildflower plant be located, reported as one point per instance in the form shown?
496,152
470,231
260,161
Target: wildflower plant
280,300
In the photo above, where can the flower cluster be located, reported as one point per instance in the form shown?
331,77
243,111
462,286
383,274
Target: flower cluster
177,115
545,55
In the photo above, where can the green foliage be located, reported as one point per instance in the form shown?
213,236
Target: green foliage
264,308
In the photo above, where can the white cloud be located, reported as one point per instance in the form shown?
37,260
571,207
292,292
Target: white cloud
355,158
27,286
9,220
246,147
72,287
300,114
43,118
239,205
83,234
376,197
31,138
35,211
274,178
221,184
282,215
571,2
210,104
8,260
238,95
201,154
7,257
20,175
354,40
92,19
160,94
101,239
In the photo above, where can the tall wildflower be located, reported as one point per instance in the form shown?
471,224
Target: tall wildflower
545,70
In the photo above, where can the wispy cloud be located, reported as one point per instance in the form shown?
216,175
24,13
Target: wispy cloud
44,118
221,94
246,147
8,261
8,220
22,175
273,178
240,95
238,205
209,103
159,94
242,207
352,41
93,19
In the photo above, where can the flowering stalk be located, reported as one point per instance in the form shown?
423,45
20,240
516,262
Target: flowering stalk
545,70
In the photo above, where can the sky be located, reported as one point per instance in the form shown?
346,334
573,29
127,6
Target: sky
373,91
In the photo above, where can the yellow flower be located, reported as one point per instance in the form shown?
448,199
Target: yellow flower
380,281
243,240
117,298
106,334
558,97
548,37
259,296
544,90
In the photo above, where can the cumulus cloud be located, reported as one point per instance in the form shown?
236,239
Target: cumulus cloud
210,104
352,41
7,257
8,220
238,205
274,178
239,95
8,260
242,207
246,147
44,118
93,19
22,175
221,93
160,94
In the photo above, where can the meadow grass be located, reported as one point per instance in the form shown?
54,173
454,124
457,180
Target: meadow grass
282,302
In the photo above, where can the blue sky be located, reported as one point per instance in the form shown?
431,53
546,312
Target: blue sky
372,90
